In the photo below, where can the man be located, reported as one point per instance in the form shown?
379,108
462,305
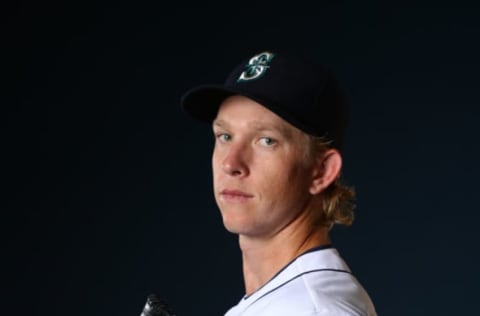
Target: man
279,124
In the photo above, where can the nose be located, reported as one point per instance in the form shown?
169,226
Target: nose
235,161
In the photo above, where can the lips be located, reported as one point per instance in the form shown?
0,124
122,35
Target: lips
235,195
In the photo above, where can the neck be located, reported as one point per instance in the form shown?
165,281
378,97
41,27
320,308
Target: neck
264,257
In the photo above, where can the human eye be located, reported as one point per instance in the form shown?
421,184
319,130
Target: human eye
223,137
267,141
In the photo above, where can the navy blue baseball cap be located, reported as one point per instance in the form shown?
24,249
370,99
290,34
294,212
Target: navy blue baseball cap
302,92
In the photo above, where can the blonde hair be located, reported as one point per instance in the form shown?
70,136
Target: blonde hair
338,199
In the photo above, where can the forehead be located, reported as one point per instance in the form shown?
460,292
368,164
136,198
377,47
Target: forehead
240,111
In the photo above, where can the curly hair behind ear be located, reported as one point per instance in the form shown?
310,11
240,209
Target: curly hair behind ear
338,200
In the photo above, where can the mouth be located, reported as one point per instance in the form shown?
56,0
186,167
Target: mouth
235,195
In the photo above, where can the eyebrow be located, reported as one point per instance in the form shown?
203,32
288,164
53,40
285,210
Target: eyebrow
259,126
219,123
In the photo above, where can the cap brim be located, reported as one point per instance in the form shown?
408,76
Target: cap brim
202,102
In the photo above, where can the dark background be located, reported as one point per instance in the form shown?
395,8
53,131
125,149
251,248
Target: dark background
107,184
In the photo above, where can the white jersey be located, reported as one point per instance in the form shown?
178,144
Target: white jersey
318,282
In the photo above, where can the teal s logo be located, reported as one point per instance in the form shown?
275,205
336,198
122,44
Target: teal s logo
256,67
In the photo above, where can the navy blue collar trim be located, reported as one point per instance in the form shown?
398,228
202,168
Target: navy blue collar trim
296,277
318,248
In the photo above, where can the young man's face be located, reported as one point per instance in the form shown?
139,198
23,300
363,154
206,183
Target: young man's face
261,178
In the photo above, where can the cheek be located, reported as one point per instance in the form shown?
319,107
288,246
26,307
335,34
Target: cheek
215,162
273,178
217,171
289,182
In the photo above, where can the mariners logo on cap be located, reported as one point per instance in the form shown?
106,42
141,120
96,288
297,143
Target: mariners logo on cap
256,67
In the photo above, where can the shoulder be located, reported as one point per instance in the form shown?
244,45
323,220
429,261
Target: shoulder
316,283
331,287
336,293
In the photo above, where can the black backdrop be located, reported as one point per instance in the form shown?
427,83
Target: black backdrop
107,185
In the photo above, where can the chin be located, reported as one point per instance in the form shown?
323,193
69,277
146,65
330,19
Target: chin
235,226
231,227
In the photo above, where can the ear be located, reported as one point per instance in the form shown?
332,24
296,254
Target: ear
326,170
